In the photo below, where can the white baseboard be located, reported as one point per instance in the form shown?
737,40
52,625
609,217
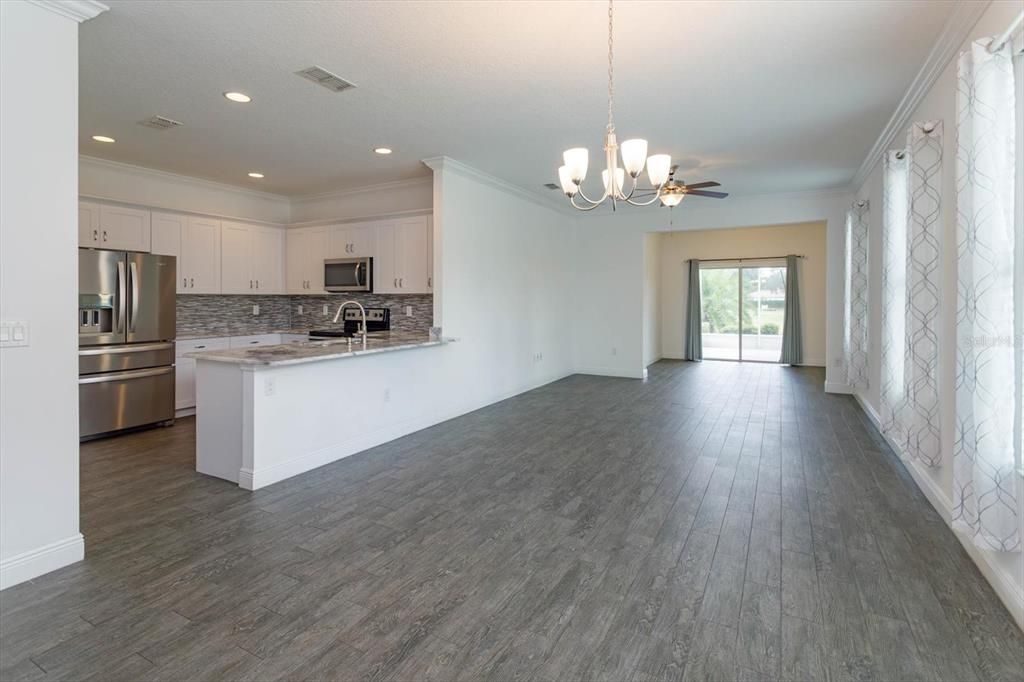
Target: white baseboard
837,387
611,372
1009,591
264,476
184,412
813,362
36,562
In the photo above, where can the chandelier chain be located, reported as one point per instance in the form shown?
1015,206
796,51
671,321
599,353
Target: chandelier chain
611,72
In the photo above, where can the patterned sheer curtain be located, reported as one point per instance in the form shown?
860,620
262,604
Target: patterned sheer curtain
894,296
855,317
984,481
924,265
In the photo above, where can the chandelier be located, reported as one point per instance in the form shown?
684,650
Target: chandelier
634,157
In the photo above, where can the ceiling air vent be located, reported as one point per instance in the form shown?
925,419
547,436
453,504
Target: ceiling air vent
160,123
550,185
325,78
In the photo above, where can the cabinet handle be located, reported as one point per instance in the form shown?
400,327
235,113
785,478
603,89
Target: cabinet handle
250,284
184,282
95,235
192,282
104,235
257,284
430,282
396,282
401,283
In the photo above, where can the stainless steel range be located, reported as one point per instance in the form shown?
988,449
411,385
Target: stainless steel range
126,330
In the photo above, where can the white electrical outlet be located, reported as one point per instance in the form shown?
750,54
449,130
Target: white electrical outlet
256,309
327,311
300,309
269,386
387,395
615,351
408,311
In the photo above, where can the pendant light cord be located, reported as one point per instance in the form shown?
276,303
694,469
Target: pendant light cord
611,72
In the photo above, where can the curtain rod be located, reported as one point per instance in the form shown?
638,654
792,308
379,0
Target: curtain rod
1000,40
731,260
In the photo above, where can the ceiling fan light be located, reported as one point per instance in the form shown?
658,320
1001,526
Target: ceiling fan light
634,154
672,197
568,186
620,178
576,160
658,167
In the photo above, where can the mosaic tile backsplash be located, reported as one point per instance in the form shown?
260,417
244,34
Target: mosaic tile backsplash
201,316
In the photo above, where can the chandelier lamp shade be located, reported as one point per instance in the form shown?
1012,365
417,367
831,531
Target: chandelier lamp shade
634,157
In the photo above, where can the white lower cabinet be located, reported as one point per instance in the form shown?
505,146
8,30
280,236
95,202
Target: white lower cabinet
185,369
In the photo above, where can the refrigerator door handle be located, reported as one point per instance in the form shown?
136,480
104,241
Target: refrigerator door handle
134,277
122,294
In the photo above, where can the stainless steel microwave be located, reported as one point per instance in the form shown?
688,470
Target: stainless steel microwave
348,274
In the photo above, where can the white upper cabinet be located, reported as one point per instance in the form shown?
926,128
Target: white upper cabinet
357,240
124,228
306,250
200,256
403,261
168,230
88,224
113,227
252,259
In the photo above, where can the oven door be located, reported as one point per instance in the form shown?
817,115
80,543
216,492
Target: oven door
348,274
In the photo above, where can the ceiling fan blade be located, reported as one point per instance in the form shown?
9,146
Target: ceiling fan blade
701,185
705,193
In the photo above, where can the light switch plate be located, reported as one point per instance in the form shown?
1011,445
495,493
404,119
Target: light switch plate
13,333
408,311
256,309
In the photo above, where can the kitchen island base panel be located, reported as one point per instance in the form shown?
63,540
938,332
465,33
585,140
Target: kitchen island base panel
259,424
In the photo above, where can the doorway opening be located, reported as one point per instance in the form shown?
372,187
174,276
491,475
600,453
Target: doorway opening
742,311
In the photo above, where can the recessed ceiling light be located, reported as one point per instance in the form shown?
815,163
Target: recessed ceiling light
239,97
382,150
255,175
103,138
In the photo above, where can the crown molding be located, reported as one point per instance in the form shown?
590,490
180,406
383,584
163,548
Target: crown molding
175,177
379,187
957,29
446,163
79,10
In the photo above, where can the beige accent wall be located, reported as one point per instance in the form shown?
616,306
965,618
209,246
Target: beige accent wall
749,242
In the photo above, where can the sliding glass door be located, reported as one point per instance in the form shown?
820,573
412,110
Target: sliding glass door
742,312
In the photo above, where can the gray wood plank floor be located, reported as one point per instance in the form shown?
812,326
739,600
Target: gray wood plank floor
718,521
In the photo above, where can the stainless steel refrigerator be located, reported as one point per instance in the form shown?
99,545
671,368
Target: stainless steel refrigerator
126,330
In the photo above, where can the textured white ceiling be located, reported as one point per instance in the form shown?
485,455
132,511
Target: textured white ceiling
761,96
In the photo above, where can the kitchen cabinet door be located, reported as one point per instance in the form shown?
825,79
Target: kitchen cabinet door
316,250
88,224
430,254
412,255
168,229
361,239
267,249
200,256
296,260
385,265
124,228
236,259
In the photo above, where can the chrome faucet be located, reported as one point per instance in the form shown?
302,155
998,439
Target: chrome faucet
362,310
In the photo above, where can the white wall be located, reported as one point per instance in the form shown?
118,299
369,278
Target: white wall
807,239
610,269
375,200
652,299
38,284
504,288
1004,570
111,181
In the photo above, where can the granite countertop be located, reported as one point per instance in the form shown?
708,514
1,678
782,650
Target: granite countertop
316,351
